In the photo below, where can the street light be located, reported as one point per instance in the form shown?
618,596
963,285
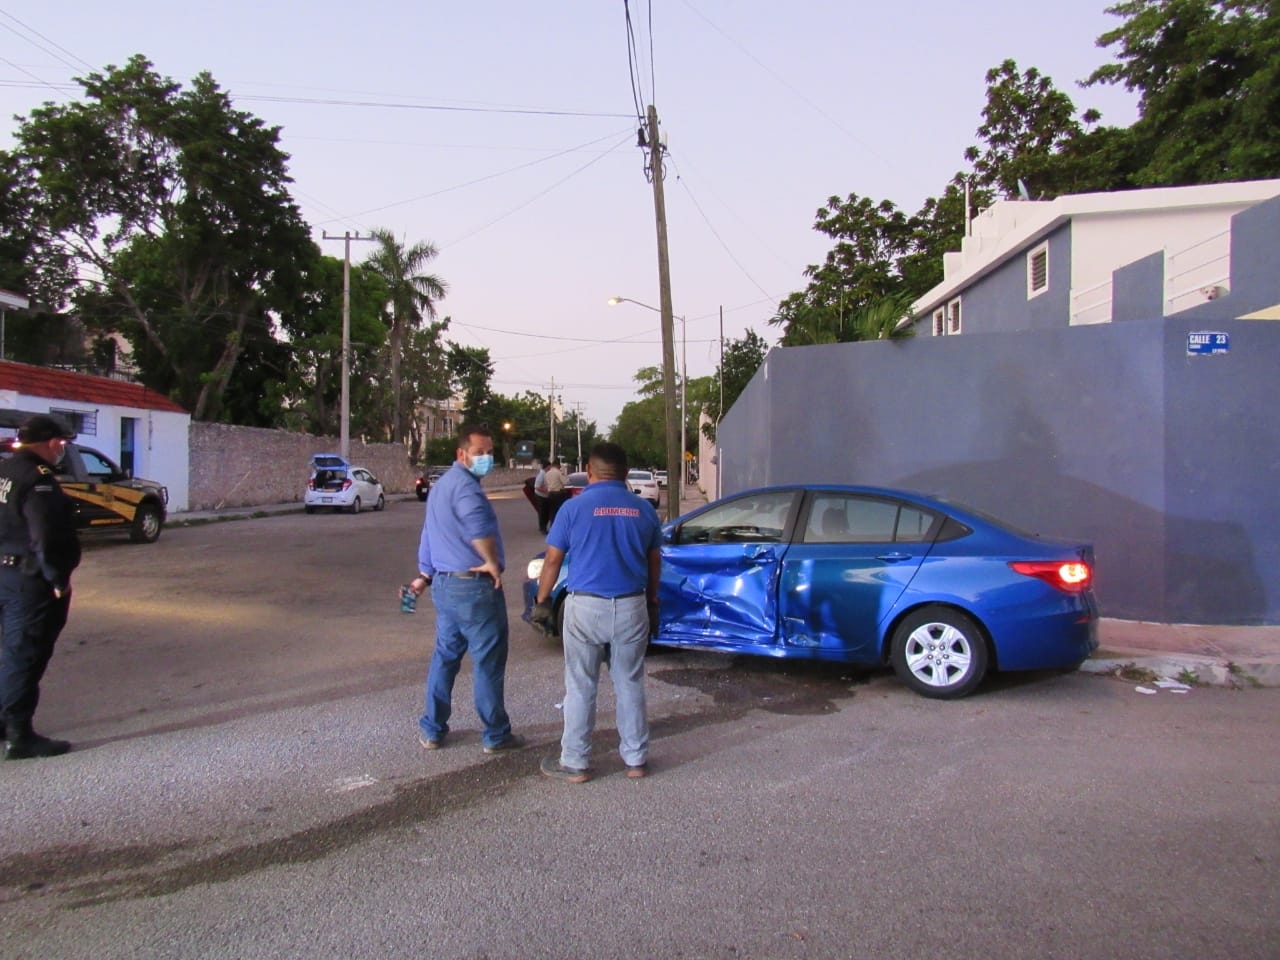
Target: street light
684,416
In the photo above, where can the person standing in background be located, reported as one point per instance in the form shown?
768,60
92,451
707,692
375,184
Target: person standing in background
540,491
556,492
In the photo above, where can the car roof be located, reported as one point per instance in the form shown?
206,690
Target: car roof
328,461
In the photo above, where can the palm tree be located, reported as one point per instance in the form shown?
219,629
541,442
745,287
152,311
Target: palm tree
412,296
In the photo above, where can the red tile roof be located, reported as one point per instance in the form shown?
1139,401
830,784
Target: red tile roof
81,388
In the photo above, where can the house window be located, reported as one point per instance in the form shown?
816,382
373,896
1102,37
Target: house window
1038,271
83,422
939,322
953,317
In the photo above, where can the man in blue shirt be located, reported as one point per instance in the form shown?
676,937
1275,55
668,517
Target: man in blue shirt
461,558
615,540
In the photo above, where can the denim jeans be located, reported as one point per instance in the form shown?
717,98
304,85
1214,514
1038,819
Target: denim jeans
471,617
592,624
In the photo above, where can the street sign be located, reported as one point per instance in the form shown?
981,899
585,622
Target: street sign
1206,343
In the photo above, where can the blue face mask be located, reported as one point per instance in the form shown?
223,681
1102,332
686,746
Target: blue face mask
481,464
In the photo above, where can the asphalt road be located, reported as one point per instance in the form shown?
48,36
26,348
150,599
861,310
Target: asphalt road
247,783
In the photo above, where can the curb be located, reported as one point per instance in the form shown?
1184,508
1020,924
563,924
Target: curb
1191,669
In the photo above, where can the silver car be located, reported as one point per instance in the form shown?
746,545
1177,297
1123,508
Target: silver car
643,484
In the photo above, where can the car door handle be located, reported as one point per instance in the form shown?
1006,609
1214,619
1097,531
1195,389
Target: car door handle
763,553
894,557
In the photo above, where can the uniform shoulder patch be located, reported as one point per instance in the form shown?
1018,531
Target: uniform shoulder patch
44,470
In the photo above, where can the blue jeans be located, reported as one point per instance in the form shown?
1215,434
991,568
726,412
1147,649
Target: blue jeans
471,617
592,624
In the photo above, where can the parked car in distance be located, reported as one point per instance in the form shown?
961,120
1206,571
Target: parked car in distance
661,477
105,497
872,576
643,484
340,485
576,482
422,486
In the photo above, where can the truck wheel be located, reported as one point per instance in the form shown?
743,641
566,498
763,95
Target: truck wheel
146,524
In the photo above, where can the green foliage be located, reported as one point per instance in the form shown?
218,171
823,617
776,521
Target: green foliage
1208,76
1032,142
411,297
742,358
178,203
472,373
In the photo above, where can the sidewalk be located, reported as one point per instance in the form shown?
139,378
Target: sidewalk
1205,655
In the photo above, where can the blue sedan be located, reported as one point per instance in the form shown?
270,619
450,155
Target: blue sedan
868,575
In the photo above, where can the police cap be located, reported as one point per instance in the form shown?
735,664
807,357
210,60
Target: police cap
42,427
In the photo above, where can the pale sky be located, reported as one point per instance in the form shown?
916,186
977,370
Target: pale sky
504,133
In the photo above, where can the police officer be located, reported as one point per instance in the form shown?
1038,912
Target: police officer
39,548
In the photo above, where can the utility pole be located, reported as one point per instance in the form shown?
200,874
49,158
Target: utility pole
577,420
654,170
551,416
344,436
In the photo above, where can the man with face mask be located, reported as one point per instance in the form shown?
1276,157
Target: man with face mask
39,549
460,556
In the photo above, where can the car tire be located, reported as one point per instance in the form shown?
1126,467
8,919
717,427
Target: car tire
940,652
381,504
147,524
355,505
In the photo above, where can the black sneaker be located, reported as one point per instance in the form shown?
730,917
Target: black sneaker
513,742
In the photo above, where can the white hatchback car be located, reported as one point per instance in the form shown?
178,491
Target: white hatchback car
340,485
643,484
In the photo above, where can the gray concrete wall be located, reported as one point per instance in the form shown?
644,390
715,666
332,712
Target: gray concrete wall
247,466
250,467
1108,433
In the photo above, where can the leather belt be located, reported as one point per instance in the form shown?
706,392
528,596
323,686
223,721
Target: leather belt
464,574
601,596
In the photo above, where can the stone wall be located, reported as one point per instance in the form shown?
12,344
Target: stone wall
249,466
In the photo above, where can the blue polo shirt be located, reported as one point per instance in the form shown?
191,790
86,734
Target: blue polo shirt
458,511
606,532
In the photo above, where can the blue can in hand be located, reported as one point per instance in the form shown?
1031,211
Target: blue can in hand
408,600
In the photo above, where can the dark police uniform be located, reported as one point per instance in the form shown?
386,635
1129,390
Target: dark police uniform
39,549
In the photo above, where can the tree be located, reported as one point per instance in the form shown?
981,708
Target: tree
1032,142
641,428
424,377
472,372
412,295
309,398
178,204
879,254
742,358
1208,77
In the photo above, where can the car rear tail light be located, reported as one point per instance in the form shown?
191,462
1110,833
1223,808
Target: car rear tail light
1069,576
311,484
346,483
